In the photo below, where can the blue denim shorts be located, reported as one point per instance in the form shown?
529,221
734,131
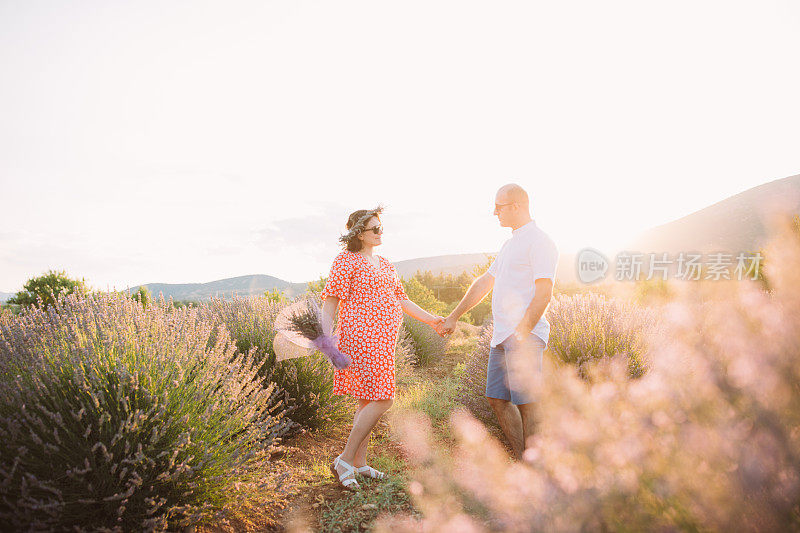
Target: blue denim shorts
508,385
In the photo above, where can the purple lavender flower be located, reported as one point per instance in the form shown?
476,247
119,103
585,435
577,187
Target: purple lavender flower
302,323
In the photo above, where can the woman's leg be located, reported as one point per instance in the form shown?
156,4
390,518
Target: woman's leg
366,419
359,407
361,454
361,404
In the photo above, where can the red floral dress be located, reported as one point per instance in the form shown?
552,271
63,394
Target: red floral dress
369,322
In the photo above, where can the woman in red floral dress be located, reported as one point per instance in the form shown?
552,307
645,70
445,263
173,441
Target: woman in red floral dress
366,291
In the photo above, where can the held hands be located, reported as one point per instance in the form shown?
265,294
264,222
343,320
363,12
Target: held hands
445,326
436,324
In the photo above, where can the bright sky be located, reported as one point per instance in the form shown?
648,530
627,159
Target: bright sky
190,141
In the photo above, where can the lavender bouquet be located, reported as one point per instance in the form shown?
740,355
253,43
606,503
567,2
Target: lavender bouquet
301,323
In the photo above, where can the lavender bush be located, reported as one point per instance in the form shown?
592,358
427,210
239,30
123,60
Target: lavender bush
117,418
586,328
472,381
306,383
706,440
404,358
427,344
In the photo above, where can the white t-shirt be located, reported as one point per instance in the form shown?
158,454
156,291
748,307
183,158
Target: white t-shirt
529,254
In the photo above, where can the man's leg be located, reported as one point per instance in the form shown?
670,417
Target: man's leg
499,397
525,364
528,412
511,422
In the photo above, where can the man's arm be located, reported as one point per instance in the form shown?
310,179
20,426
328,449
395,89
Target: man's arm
476,292
541,299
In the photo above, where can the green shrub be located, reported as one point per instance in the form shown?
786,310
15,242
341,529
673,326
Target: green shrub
113,417
316,286
44,290
144,296
423,297
6,309
308,384
274,295
481,314
448,288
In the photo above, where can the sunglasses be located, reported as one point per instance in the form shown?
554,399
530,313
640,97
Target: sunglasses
377,230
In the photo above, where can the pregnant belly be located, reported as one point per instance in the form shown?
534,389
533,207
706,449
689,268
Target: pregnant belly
379,317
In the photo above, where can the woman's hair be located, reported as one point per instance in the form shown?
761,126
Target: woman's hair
355,244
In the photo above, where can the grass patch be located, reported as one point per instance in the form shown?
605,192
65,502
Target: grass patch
437,398
391,464
357,512
319,468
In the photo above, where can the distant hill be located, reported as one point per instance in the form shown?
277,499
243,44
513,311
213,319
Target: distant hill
734,224
252,285
441,264
456,264
6,295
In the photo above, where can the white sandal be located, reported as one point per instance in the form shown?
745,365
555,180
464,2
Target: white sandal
368,471
348,479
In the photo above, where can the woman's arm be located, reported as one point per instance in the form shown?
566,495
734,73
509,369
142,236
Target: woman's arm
415,311
329,307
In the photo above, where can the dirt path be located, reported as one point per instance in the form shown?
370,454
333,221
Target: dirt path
313,488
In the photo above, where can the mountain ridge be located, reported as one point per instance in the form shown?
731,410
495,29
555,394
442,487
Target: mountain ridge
248,285
738,223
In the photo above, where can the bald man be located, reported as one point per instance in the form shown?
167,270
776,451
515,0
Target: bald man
522,276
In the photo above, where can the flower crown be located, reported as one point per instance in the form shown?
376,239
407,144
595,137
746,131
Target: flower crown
358,227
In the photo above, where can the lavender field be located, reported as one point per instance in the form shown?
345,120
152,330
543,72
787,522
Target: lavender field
685,415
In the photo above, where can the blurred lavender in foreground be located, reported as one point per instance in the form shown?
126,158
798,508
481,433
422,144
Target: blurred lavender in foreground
708,439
